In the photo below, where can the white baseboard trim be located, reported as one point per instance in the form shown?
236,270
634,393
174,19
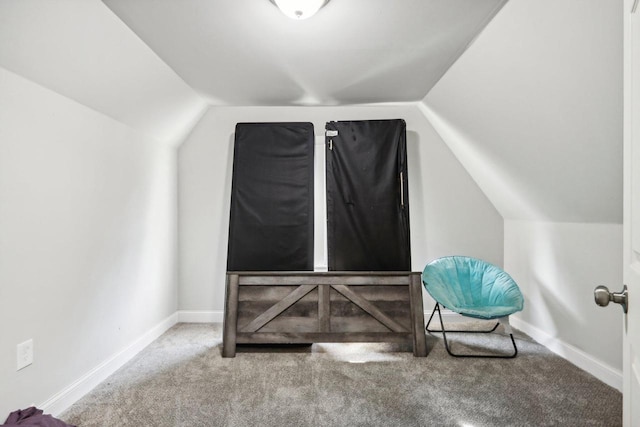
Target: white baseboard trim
62,400
595,367
200,316
448,316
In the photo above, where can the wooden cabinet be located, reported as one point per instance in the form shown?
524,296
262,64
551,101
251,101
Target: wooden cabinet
312,307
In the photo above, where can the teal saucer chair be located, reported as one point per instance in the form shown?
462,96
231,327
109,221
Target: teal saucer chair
473,288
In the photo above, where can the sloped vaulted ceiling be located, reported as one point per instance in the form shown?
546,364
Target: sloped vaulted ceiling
533,110
151,64
245,52
80,50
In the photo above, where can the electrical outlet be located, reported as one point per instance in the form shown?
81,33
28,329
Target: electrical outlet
25,354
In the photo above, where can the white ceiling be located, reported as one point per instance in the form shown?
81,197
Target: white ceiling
245,52
533,110
81,50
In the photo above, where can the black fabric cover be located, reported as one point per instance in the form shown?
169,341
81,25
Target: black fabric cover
271,219
367,217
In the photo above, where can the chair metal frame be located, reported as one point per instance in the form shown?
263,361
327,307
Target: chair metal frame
446,343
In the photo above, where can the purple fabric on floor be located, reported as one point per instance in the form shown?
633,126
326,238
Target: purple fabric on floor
33,417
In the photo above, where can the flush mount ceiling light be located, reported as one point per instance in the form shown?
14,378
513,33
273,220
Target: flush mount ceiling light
299,9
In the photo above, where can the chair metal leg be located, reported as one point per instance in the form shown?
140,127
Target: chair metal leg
458,330
446,343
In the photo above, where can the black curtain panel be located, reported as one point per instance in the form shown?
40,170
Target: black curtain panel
271,218
367,196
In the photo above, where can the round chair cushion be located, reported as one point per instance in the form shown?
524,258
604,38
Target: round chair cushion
472,287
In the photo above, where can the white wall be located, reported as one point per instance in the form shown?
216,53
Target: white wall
557,266
533,110
87,239
448,212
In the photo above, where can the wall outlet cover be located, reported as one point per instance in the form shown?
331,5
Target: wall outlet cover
24,354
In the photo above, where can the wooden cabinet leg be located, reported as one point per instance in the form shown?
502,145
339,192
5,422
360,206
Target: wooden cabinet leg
417,317
230,325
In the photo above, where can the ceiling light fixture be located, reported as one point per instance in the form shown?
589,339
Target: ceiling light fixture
299,9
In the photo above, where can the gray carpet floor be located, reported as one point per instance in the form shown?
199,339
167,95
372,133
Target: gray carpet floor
182,380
